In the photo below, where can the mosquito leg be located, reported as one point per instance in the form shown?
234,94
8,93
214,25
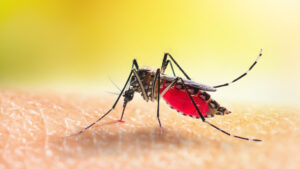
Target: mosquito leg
227,133
141,85
157,77
114,105
134,63
212,125
169,86
169,62
200,114
158,91
164,65
244,74
165,90
153,85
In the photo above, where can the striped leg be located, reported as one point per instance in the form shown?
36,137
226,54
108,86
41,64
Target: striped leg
157,76
185,88
165,63
169,62
225,132
205,121
134,63
241,76
114,105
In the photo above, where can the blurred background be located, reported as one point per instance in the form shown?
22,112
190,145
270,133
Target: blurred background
79,44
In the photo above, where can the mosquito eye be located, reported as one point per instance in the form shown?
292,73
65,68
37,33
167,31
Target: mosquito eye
213,104
204,96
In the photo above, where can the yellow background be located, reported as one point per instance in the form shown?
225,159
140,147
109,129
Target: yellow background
75,43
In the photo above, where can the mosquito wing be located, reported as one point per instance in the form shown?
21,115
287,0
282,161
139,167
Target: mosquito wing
191,83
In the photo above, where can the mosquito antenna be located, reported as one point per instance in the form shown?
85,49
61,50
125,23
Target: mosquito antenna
114,83
225,132
114,93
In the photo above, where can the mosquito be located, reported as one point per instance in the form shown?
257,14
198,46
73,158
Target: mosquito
187,97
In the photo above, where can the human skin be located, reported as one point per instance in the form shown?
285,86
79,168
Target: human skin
35,129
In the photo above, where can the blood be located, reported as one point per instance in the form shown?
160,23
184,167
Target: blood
122,121
180,101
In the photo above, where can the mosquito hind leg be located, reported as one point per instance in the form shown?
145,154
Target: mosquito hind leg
212,125
172,68
191,98
165,64
244,74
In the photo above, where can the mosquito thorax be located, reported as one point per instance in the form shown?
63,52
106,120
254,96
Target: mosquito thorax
146,75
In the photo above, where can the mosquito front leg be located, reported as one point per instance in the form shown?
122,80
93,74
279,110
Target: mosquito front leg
114,105
158,92
157,76
134,64
244,74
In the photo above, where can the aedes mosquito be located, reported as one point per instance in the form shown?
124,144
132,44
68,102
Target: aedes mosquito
184,95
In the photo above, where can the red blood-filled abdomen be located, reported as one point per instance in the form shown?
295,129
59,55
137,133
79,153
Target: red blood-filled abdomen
180,101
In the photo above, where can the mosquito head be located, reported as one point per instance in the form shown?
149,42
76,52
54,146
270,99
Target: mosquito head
128,95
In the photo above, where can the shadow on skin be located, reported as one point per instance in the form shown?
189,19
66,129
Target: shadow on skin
103,141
